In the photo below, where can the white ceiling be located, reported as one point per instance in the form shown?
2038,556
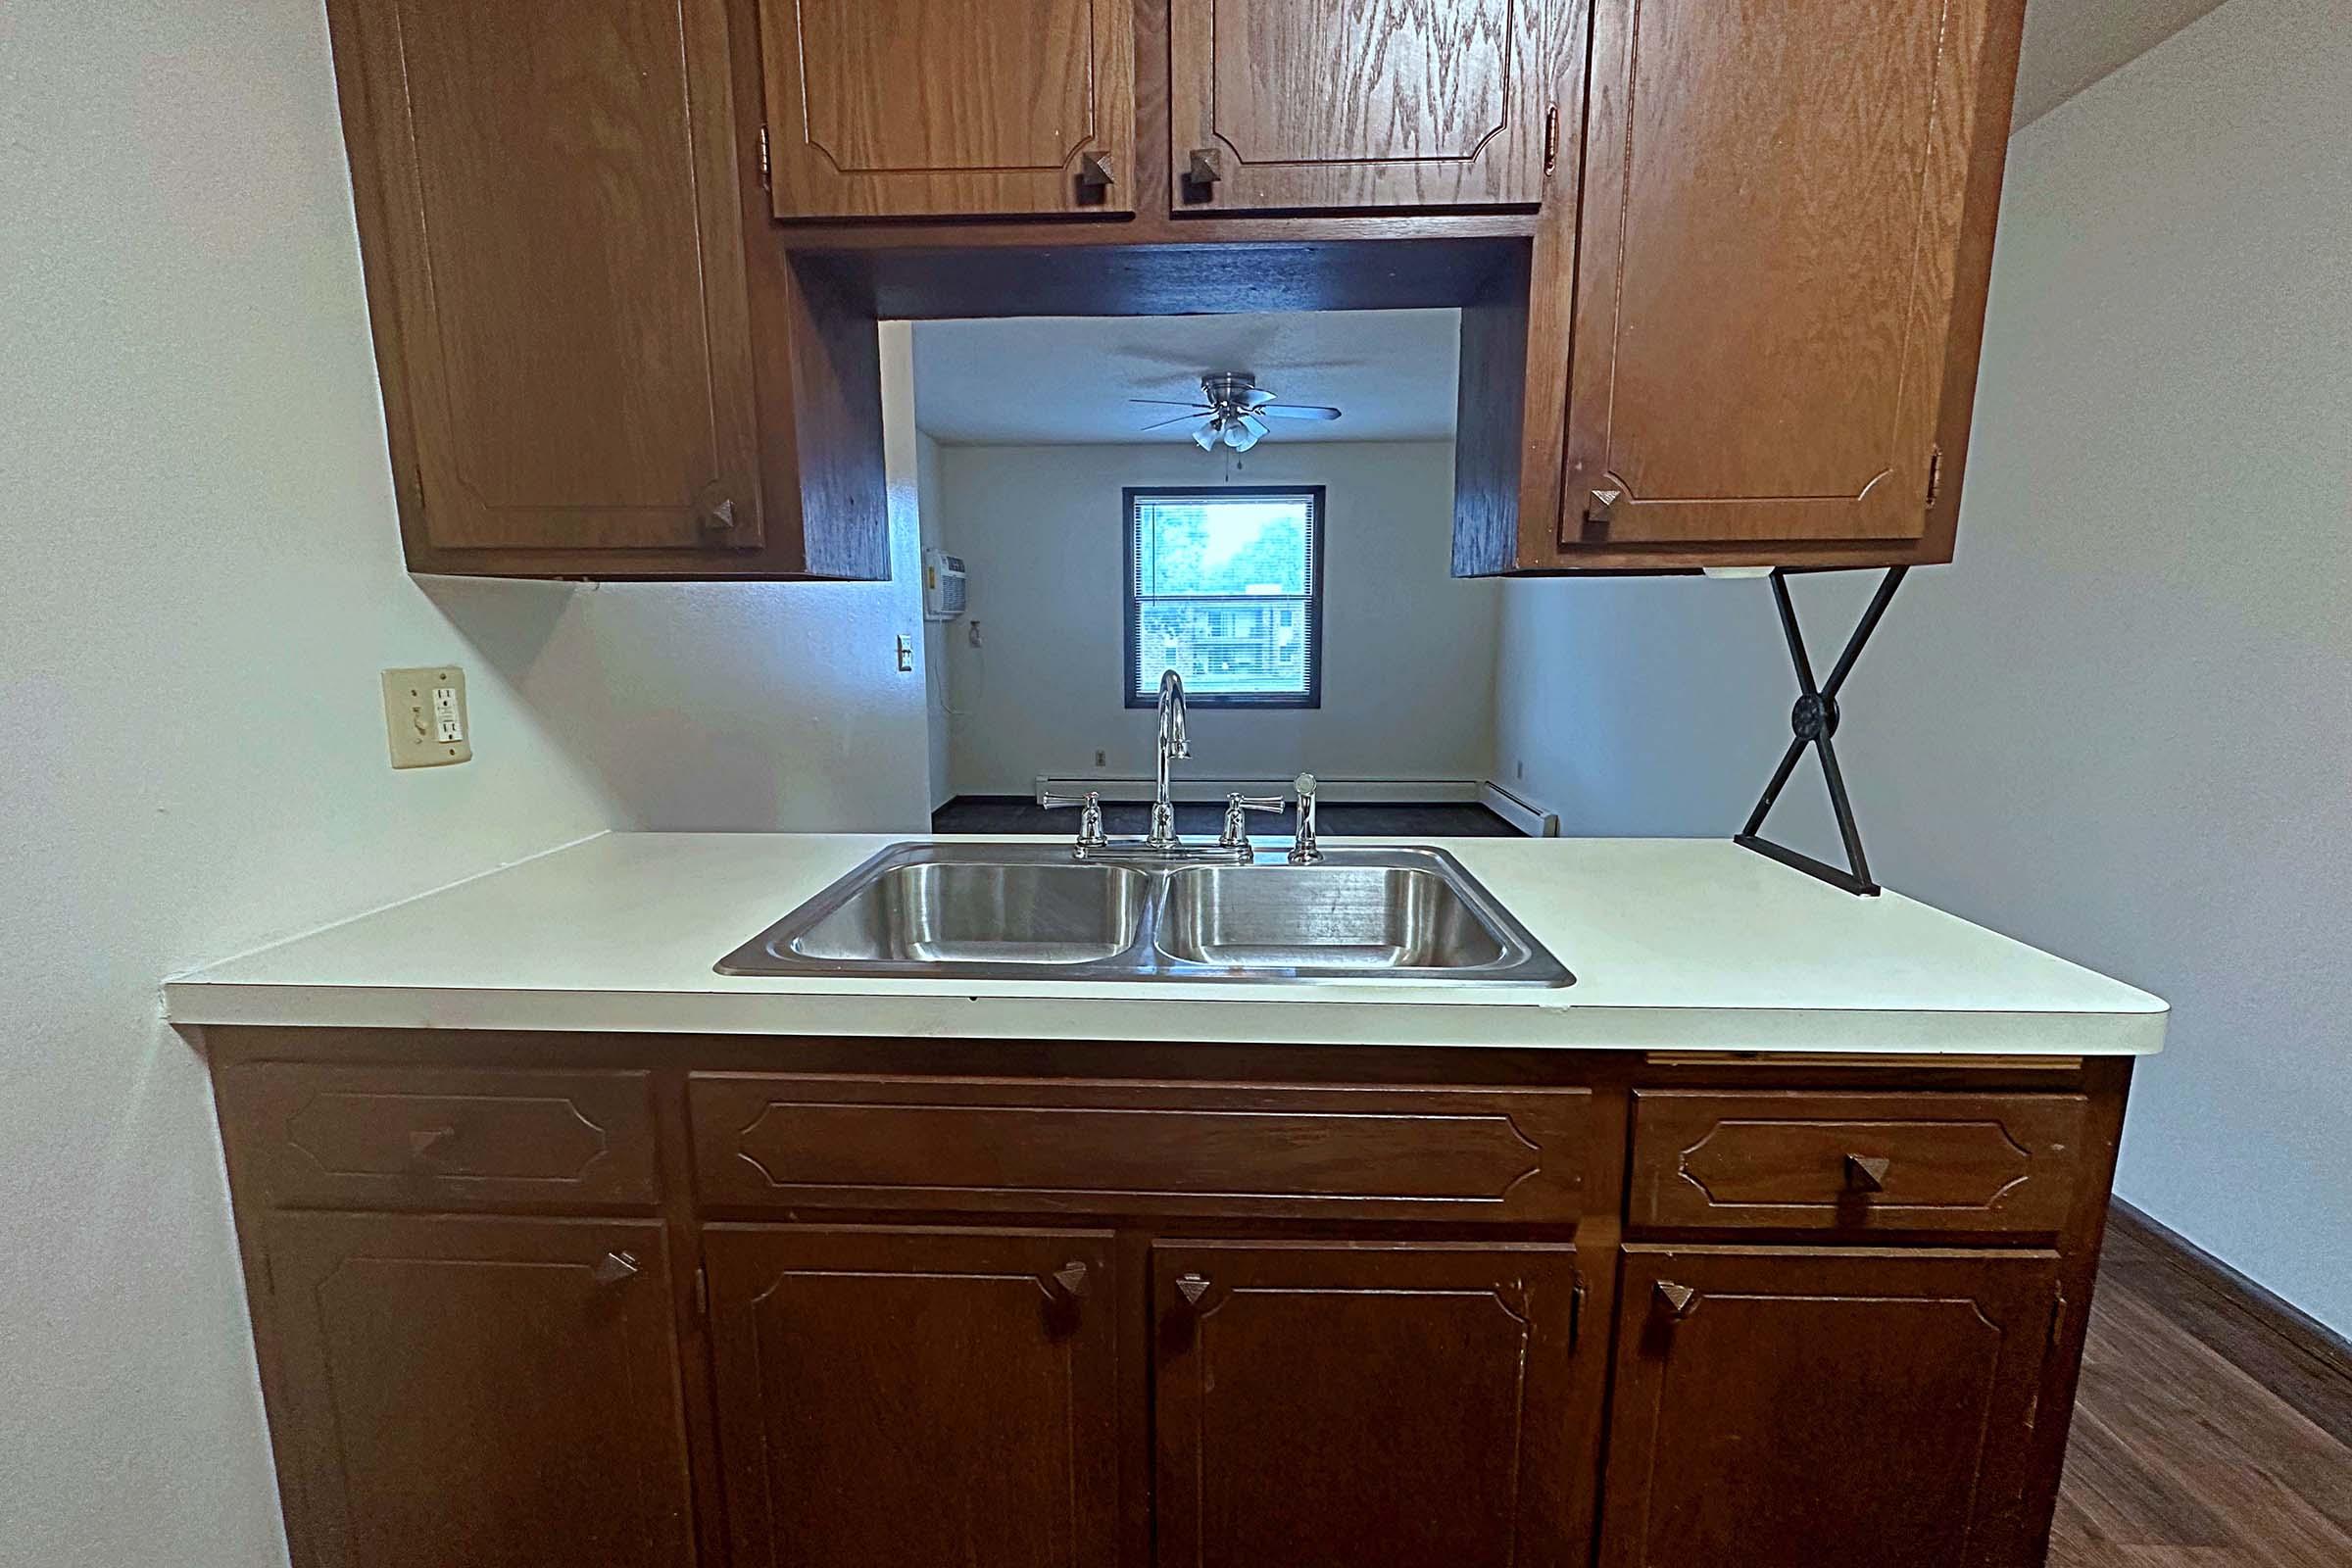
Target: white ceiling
2072,43
1067,379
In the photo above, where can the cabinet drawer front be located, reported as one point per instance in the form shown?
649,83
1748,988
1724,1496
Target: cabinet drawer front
441,1138
777,1139
1889,1162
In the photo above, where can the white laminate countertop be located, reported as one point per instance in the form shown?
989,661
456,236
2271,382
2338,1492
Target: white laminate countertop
1676,944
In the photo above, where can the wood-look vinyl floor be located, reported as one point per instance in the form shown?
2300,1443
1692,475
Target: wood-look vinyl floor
2201,1438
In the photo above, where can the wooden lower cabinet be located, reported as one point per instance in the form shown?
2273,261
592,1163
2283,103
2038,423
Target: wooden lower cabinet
1791,1406
1366,1403
848,1303
498,1393
910,1395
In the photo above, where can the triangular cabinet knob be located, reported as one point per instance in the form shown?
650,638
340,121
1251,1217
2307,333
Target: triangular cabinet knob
1867,1173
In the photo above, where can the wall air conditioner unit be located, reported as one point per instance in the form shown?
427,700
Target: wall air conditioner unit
943,585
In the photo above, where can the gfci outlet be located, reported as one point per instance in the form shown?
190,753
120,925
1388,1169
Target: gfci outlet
425,717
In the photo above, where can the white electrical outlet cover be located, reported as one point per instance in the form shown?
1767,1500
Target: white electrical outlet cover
426,721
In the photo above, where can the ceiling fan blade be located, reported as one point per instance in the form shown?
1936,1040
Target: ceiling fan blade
1295,410
1172,403
1162,424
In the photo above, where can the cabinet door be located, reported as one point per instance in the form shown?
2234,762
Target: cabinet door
916,1397
949,108
500,1393
1780,287
549,202
1367,1403
1786,1409
1332,103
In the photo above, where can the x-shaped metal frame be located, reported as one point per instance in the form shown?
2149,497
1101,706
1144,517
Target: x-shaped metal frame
1814,722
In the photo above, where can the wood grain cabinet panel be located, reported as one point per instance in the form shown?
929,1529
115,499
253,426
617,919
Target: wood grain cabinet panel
950,107
773,1139
917,1397
548,199
1781,266
1361,1403
441,1138
2006,1164
1307,104
488,1392
1787,1409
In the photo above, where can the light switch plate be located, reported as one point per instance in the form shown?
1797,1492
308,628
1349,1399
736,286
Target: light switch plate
425,717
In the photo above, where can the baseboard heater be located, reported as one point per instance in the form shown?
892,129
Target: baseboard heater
1525,815
1383,791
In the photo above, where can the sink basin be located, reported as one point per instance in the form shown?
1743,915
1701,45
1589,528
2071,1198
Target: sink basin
1330,916
951,911
972,912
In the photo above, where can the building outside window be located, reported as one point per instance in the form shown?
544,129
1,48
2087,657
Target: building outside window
1224,587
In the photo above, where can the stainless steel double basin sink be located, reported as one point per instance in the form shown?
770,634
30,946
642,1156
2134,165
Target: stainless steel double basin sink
1035,911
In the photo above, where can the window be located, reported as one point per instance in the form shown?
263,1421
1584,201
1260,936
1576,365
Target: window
1224,588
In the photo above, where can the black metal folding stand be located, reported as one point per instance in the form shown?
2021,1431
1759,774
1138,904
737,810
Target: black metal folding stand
1814,722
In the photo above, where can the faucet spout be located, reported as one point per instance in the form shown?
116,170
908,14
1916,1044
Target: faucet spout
1172,744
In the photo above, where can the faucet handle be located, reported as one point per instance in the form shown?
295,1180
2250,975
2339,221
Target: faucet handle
1090,814
1237,833
1303,849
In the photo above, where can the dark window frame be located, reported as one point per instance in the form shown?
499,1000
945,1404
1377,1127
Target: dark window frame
1132,618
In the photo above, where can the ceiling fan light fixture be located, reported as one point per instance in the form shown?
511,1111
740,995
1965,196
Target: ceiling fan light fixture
1233,412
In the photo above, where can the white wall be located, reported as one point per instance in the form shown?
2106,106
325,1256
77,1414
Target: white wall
2120,726
936,700
1408,649
199,579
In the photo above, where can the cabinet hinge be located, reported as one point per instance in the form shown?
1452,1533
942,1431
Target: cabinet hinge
1934,473
1576,1313
702,1293
1552,138
766,178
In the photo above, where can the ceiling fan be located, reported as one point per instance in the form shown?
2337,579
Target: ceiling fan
1232,411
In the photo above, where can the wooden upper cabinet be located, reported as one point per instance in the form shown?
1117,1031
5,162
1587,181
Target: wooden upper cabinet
1791,1408
912,1395
1787,222
1357,1403
1307,104
565,265
475,1390
950,107
577,379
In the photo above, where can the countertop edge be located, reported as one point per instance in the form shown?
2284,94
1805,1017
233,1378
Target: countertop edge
199,1004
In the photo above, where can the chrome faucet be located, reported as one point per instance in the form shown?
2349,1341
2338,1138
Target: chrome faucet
1172,744
1161,844
1304,851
